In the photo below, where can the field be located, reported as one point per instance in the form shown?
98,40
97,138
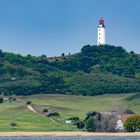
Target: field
66,105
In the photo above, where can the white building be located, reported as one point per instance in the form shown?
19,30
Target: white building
119,123
101,32
68,121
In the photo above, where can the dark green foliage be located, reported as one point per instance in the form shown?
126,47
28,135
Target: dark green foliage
75,120
90,114
28,102
1,99
132,124
94,84
128,111
45,109
62,54
52,84
53,114
95,70
113,59
13,123
90,124
80,124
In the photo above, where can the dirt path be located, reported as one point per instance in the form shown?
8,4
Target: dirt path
29,107
34,111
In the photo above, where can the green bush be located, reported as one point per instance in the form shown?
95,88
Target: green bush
90,124
132,124
74,120
1,99
80,124
54,114
13,123
28,102
45,110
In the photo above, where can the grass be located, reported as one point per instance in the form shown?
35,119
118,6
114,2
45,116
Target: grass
66,105
26,120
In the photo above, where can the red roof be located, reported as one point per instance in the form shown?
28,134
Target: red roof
124,117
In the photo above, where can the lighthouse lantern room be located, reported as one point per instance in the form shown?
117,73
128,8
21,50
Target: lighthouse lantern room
101,32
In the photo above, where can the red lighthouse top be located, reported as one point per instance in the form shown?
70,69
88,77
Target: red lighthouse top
101,22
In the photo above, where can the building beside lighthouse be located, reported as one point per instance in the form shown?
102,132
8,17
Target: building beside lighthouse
101,33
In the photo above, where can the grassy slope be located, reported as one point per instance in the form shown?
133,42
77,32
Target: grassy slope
67,106
26,120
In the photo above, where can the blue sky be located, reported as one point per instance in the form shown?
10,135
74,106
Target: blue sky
53,27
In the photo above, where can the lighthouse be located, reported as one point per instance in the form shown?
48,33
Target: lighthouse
101,32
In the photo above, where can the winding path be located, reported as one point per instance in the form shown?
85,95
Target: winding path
34,111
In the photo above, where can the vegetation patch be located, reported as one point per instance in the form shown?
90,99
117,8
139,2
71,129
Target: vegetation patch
95,70
53,114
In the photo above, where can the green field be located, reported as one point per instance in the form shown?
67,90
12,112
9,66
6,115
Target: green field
66,105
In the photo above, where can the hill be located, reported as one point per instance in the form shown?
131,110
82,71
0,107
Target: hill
93,71
66,105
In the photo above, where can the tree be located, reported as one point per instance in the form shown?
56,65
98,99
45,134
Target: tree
132,124
80,124
62,54
90,124
28,102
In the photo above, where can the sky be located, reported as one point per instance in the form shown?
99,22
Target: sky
53,27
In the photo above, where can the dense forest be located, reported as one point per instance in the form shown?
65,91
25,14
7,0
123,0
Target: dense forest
93,71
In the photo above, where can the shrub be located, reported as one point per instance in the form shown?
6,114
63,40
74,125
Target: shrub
132,124
1,99
90,114
90,124
12,98
45,110
13,123
128,111
74,120
28,102
80,124
54,114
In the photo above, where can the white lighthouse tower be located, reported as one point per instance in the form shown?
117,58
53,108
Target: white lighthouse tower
101,32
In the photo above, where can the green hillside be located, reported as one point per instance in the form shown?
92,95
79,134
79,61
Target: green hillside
93,71
66,105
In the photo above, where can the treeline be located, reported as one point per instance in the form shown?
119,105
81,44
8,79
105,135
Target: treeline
105,58
95,70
